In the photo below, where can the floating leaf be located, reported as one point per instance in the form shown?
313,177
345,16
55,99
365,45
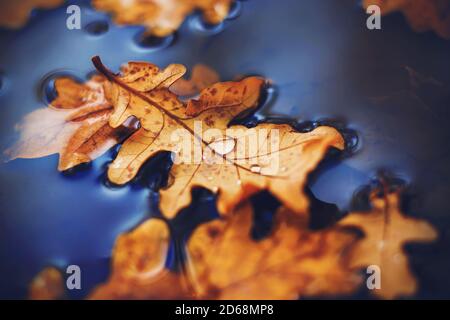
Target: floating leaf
47,285
224,262
14,14
386,230
161,18
422,15
232,161
75,125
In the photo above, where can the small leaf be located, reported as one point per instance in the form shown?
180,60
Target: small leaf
75,125
386,231
47,285
235,162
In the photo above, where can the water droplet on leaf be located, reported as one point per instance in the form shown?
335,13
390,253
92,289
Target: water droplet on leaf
255,168
223,146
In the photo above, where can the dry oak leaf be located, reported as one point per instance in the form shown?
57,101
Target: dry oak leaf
15,14
162,17
138,267
224,262
75,125
47,285
220,157
422,15
386,229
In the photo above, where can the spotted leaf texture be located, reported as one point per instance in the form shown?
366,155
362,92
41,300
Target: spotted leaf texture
231,161
75,125
386,230
162,17
224,262
15,14
422,15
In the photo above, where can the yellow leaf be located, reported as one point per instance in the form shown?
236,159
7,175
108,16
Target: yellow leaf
75,125
224,262
386,230
232,161
161,18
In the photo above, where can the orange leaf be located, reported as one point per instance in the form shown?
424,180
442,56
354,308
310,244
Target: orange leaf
386,230
75,125
232,161
138,267
47,285
224,262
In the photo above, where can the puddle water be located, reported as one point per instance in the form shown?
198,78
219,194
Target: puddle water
325,66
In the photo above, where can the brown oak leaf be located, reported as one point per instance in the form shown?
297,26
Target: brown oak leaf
224,262
75,125
47,285
422,15
15,14
386,230
232,161
161,18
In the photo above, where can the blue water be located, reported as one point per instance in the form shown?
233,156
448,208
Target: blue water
325,65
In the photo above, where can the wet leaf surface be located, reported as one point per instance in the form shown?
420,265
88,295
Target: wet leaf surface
225,160
75,125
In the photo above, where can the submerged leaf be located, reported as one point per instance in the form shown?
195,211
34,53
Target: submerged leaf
232,161
224,262
422,15
75,125
161,18
386,230
14,14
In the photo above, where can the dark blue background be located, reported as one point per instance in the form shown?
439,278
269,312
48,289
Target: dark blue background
325,64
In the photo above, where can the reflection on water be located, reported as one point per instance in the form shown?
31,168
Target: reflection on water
325,66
